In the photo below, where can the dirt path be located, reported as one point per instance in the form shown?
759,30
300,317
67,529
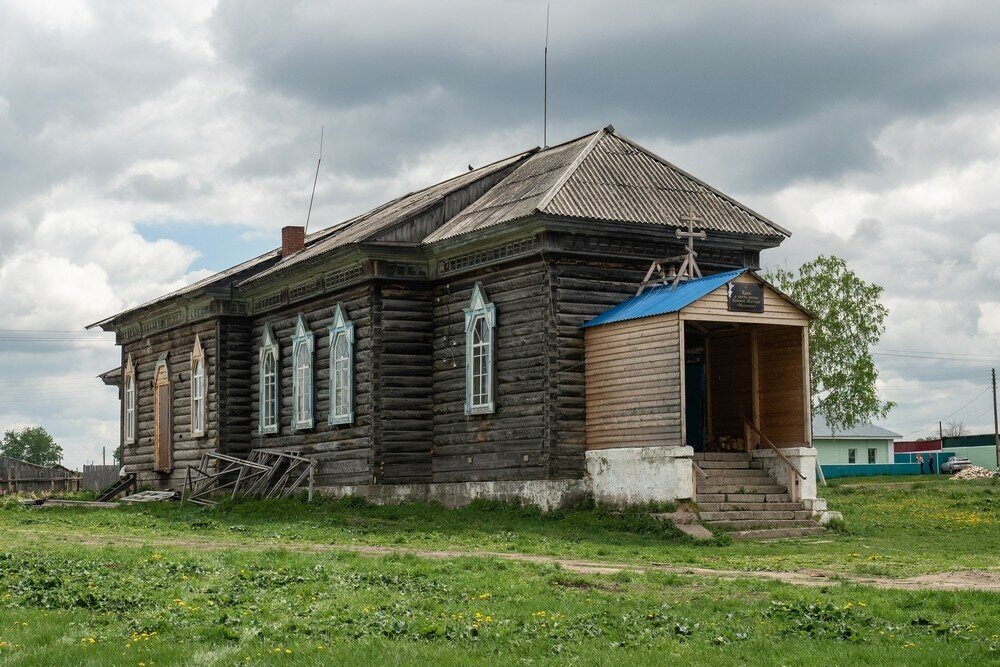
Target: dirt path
979,580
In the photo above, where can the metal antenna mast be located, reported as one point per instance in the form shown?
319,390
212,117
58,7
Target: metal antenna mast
545,84
316,177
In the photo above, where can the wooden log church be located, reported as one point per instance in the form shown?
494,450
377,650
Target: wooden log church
468,340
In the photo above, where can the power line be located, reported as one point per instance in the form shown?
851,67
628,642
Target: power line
923,428
984,360
954,354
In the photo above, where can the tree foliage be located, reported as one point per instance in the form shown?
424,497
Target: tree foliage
850,319
32,444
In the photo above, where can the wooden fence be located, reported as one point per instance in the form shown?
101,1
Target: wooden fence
96,478
23,477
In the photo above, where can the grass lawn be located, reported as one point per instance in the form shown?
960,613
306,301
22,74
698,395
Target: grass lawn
896,526
137,585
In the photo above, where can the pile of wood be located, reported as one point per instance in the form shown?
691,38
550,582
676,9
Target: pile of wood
263,474
975,472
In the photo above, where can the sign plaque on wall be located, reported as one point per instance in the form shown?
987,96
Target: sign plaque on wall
746,297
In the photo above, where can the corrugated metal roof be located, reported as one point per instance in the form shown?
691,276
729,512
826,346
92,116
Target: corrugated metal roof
822,430
606,176
372,223
661,299
518,195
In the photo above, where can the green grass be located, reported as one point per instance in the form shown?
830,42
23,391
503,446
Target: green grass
134,605
268,582
894,527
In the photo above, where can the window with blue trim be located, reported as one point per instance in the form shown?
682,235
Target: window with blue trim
302,376
269,380
480,322
341,368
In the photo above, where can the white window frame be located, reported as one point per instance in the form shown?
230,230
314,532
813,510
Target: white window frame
480,310
341,383
199,388
873,455
852,452
131,402
302,376
269,348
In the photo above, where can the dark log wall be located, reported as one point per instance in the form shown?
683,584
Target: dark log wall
345,452
580,291
187,449
404,376
236,384
510,443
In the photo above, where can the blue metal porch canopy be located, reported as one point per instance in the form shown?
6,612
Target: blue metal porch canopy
661,299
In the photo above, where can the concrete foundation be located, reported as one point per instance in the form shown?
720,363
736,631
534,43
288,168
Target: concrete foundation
803,458
636,475
546,494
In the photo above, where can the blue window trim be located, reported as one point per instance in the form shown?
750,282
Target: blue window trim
480,308
269,345
341,326
302,335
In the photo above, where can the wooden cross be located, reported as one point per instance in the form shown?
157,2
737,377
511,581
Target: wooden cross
690,218
689,267
689,264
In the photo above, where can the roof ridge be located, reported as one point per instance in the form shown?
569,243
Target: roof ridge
686,174
573,166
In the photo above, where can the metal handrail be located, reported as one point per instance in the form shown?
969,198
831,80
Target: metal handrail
771,445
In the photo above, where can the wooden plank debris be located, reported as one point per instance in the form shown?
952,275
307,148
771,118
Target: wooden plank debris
263,474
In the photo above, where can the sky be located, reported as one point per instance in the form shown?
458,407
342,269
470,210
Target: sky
144,145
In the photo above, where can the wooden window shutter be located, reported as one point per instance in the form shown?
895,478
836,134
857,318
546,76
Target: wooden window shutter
162,421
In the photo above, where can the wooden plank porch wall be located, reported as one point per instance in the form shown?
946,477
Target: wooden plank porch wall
634,383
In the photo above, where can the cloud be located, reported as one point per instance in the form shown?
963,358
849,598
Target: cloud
132,134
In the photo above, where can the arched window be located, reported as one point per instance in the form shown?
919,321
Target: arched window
302,376
130,402
341,368
480,320
269,378
198,388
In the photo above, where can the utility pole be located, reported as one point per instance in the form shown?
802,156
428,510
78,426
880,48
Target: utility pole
996,424
940,433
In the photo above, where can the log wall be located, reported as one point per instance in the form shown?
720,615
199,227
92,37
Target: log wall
511,442
404,375
579,291
345,453
177,345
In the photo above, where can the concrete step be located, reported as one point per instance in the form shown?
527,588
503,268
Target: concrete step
729,465
742,497
755,515
710,487
737,478
725,473
721,456
750,524
748,507
776,533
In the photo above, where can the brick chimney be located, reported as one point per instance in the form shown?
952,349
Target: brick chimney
293,239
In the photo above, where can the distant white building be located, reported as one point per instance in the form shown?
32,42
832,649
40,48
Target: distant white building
862,444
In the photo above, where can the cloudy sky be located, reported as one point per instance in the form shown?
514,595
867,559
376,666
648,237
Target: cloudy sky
144,145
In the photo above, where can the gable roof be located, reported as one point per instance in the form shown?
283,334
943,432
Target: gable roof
606,176
822,430
662,299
